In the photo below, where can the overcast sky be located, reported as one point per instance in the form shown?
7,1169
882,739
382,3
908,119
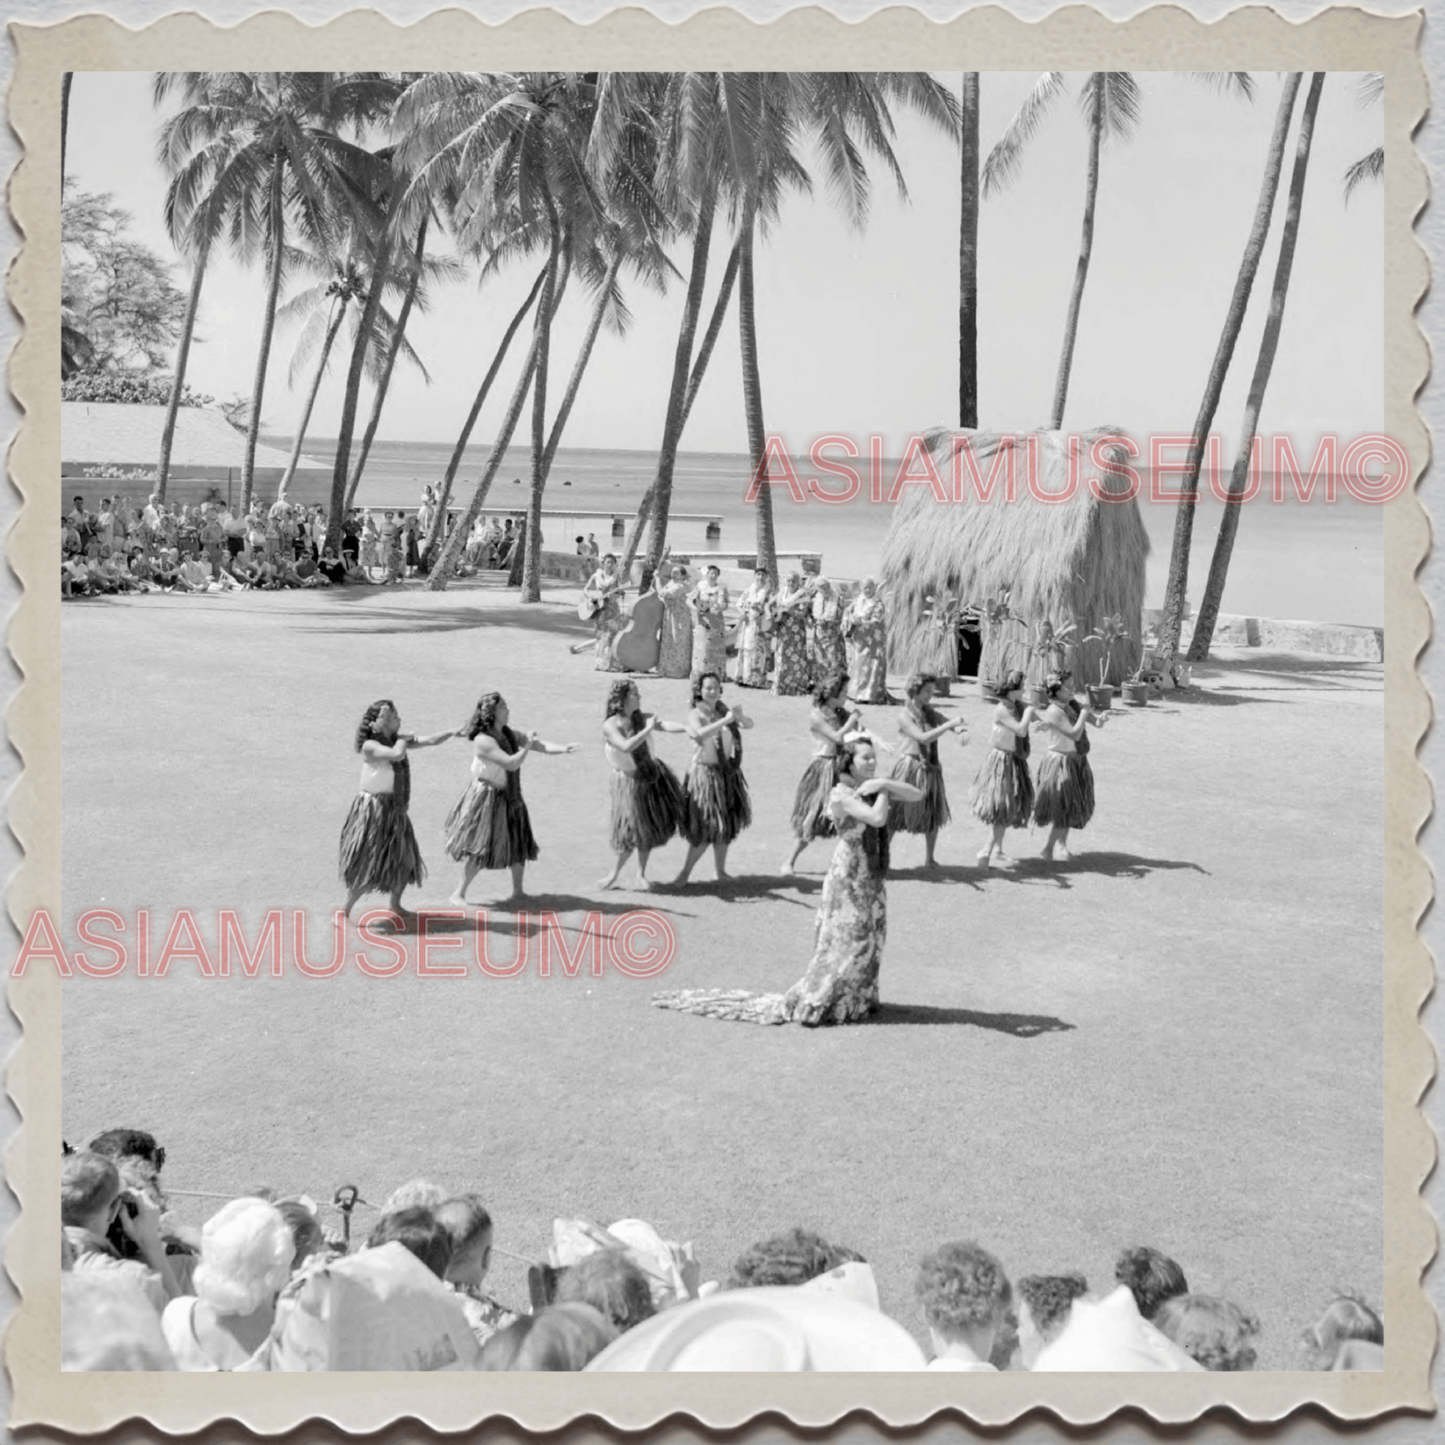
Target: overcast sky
858,332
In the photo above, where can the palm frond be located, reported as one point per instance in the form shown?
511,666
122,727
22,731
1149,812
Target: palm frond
1367,168
1001,168
1372,87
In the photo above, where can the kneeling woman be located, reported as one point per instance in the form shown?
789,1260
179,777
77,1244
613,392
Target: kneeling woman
716,793
841,982
922,725
647,801
490,826
379,852
1064,796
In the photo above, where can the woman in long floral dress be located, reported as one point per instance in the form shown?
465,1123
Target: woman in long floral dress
755,632
840,985
790,639
674,658
830,653
867,627
709,600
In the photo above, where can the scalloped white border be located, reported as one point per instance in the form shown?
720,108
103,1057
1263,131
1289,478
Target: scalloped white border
1248,39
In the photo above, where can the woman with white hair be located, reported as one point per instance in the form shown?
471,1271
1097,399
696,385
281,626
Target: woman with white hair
246,1253
866,627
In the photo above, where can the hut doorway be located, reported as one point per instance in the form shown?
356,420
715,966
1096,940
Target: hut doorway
970,649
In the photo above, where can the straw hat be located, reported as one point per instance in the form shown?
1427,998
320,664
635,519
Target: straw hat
778,1328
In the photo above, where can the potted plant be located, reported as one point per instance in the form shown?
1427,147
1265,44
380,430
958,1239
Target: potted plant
1135,687
941,615
1110,632
1051,646
992,613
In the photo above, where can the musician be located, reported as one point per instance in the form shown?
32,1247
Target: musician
602,600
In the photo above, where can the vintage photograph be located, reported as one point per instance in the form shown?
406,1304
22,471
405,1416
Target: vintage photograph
723,721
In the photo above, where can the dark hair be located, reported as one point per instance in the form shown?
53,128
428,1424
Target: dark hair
560,1337
961,1286
305,1231
697,683
1009,682
418,1230
87,1181
484,716
466,1219
1050,1297
1056,682
1152,1278
834,684
917,682
1213,1332
617,695
791,1258
129,1144
612,1284
367,727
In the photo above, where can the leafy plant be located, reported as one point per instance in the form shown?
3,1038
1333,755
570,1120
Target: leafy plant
1110,632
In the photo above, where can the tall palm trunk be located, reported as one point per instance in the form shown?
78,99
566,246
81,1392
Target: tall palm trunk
437,531
579,367
1177,587
183,354
681,370
753,396
263,356
338,315
369,435
1086,248
968,259
66,76
542,349
365,329
699,369
451,553
1268,345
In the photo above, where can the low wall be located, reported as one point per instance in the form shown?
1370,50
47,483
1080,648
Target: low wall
1329,639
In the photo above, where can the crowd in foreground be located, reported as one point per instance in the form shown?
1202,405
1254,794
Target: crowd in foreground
210,547
263,1287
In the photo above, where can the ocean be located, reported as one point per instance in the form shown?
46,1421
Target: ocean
1319,561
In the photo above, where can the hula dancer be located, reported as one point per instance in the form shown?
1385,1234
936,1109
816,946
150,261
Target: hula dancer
1065,793
1003,792
717,806
489,827
379,852
647,800
832,722
922,726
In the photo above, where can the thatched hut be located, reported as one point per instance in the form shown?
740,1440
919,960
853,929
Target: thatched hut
1073,561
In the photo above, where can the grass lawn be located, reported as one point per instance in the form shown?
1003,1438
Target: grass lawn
1174,1039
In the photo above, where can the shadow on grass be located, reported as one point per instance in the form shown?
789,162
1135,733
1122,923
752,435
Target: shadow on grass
741,886
943,873
506,916
1019,1026
365,610
1111,865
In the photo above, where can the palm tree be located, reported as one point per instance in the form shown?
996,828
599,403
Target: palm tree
1369,167
1176,587
1109,101
968,256
66,76
1269,344
289,168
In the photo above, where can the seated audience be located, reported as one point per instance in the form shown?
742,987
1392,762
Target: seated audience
246,1253
561,1337
791,1258
1151,1278
417,1230
965,1297
108,1323
1213,1331
612,1284
1346,1319
469,1229
1043,1310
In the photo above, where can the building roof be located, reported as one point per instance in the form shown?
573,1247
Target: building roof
109,433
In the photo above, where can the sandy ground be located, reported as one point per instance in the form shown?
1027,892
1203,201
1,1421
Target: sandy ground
1173,1039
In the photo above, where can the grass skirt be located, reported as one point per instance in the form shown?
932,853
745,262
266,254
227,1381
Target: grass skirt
1003,792
1066,791
490,827
930,812
718,807
647,806
379,852
810,806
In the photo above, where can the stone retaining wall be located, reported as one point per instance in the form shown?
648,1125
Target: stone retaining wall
1331,639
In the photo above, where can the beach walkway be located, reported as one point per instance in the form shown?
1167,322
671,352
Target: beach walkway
1172,1039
